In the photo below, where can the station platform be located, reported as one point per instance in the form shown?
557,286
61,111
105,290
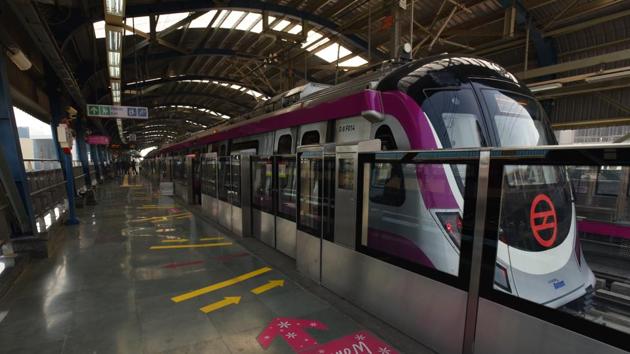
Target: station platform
144,274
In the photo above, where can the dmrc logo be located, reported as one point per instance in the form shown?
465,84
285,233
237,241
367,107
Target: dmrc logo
543,217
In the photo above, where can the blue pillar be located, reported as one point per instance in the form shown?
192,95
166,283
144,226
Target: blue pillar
57,115
82,149
97,161
10,143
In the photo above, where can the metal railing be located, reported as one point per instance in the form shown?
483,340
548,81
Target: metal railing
46,182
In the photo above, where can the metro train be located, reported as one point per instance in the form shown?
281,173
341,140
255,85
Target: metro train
415,211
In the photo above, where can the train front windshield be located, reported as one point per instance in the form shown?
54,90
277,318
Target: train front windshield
511,119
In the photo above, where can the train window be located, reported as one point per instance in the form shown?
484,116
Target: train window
287,187
425,229
245,145
384,133
387,184
346,174
310,138
518,119
455,116
262,183
209,177
310,211
285,144
609,180
328,198
224,178
234,192
566,255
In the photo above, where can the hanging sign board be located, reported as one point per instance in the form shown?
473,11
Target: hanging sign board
122,112
97,139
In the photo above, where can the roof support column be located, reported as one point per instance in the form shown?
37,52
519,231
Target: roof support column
396,26
94,152
82,150
57,115
13,174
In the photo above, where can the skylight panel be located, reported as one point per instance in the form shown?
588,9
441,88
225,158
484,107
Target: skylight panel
249,21
99,29
140,23
220,17
330,53
204,20
281,25
313,37
167,20
353,62
232,19
296,29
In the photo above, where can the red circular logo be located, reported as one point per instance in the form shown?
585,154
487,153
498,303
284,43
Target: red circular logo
542,216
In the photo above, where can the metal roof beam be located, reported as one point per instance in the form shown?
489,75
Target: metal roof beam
164,33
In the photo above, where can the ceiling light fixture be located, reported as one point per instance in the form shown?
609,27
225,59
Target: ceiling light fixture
606,77
545,87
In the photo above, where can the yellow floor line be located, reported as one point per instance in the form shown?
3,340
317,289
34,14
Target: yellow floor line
200,245
211,238
221,285
175,240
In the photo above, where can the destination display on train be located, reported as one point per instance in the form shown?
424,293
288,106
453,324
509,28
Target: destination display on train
122,112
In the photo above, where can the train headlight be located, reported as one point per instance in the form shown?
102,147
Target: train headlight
452,224
501,278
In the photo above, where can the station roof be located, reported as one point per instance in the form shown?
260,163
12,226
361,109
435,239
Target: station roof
199,63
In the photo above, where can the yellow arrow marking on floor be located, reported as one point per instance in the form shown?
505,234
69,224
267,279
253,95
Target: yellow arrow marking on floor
160,218
199,245
221,285
270,285
211,238
227,301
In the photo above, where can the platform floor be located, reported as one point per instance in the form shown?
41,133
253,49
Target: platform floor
111,286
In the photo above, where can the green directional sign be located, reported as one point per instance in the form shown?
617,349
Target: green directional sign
122,112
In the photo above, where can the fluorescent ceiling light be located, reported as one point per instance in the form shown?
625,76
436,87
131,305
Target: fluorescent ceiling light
204,20
296,29
115,7
114,72
232,19
114,38
249,21
166,21
353,62
116,85
333,52
606,77
545,87
281,25
113,58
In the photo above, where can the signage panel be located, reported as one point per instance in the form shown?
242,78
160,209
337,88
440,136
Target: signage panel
97,140
121,112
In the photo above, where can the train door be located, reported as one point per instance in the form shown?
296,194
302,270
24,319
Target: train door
224,208
262,201
196,180
239,192
190,176
346,192
209,201
315,209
